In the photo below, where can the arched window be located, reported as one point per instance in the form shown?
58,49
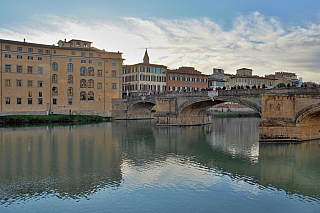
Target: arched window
190,79
83,71
70,79
181,78
90,96
186,78
83,96
54,91
99,63
204,80
54,78
195,79
175,78
54,66
90,83
170,77
70,91
70,67
90,71
200,79
83,83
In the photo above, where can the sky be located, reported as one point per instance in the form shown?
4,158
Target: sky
266,36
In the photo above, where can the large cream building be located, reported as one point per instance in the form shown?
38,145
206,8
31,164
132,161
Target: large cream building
70,77
244,78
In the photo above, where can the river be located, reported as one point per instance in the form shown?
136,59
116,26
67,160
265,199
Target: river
134,166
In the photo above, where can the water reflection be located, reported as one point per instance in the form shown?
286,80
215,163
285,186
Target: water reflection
78,161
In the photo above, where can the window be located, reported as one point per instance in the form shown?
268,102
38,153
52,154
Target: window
148,69
90,61
7,47
70,91
158,70
171,77
83,71
69,101
70,60
8,100
175,78
30,58
54,101
186,78
54,91
7,56
195,79
54,52
47,51
90,96
83,54
163,70
114,64
8,82
99,72
40,94
30,50
40,51
204,80
70,79
54,78
83,96
70,67
83,83
8,67
83,61
40,70
29,93
30,69
29,83
190,79
54,66
181,78
114,86
19,56
99,63
85,45
99,97
29,101
40,84
90,54
90,83
114,73
78,44
200,79
19,83
73,53
19,101
39,58
40,101
19,49
99,85
90,71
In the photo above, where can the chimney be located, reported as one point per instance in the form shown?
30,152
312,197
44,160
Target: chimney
24,40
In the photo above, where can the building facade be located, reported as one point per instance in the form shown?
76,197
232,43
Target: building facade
286,78
216,80
143,78
245,78
186,79
71,77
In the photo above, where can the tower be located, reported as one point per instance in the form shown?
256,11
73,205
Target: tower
146,57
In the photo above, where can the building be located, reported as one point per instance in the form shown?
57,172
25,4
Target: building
143,78
286,78
186,79
216,80
71,77
245,78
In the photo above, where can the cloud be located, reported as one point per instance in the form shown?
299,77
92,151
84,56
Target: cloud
264,44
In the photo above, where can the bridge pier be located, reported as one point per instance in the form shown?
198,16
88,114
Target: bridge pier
292,118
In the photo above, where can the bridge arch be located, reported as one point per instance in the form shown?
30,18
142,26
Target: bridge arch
308,114
140,109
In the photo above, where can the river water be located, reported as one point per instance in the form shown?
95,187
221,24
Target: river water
133,166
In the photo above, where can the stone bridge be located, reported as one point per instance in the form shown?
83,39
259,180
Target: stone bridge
287,114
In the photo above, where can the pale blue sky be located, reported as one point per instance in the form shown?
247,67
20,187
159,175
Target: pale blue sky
266,36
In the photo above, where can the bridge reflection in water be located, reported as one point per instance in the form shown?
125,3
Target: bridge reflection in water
78,161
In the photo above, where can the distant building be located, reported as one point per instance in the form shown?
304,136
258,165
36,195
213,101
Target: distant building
216,80
143,78
286,78
244,78
186,79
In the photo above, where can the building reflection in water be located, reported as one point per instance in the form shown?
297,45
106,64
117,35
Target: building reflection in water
77,161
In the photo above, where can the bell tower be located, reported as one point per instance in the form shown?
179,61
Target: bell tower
146,57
